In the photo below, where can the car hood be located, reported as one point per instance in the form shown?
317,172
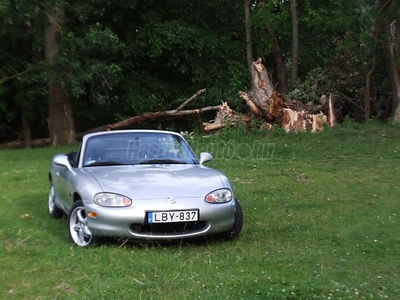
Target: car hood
159,181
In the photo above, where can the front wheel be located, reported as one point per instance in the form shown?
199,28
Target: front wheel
237,225
78,230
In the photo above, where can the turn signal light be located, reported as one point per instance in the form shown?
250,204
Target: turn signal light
92,214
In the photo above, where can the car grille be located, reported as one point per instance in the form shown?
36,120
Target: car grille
168,228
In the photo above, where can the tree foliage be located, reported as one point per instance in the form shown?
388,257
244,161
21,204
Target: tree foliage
117,59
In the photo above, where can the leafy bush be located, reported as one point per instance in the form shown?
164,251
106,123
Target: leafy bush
311,88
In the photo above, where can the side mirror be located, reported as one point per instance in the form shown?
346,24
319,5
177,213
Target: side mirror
62,160
205,157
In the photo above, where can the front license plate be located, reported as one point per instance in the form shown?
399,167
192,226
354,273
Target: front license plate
173,216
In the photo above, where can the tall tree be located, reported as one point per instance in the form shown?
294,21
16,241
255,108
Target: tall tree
395,71
376,35
279,62
22,103
295,41
266,21
392,52
60,119
249,46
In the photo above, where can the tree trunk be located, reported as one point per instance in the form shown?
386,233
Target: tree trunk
376,33
249,48
295,41
392,51
279,62
277,59
26,129
60,119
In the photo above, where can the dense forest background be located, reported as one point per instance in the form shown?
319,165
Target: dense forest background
68,66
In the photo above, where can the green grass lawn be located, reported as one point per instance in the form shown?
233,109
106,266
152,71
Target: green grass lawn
321,221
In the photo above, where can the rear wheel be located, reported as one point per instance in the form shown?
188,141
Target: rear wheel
54,211
78,230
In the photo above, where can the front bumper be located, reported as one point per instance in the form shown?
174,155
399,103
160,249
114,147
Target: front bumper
129,222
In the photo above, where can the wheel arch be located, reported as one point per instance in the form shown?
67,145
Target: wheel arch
76,197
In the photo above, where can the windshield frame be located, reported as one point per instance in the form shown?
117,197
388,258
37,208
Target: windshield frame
132,147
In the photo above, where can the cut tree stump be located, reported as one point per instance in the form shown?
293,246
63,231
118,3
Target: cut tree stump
262,99
265,104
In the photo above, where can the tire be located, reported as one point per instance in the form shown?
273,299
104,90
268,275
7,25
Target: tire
78,230
54,211
237,225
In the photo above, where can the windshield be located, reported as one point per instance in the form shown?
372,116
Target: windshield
137,148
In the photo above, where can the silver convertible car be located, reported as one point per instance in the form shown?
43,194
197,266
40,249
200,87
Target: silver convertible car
140,185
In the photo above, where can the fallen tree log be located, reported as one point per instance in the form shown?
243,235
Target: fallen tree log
21,143
157,115
152,116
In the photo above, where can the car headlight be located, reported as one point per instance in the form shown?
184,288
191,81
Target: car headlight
111,200
219,196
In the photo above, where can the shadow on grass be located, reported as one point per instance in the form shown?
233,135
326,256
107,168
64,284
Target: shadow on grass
178,243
